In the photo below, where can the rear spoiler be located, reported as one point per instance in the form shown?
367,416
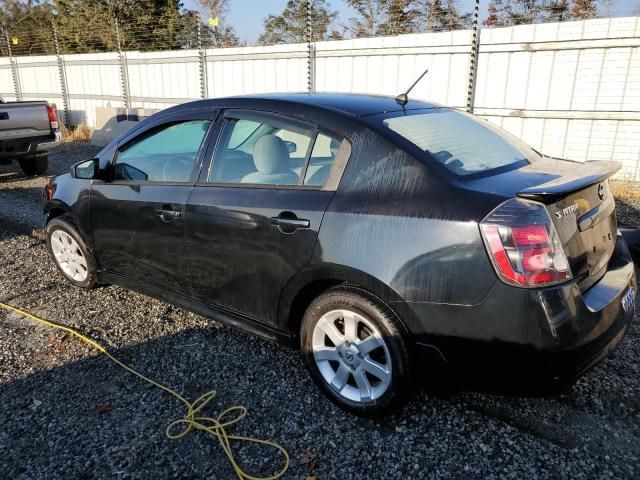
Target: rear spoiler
585,175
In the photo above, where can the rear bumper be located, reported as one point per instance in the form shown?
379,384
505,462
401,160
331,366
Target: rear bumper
26,147
546,337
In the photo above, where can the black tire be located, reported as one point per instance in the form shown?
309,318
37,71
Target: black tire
64,224
394,334
37,165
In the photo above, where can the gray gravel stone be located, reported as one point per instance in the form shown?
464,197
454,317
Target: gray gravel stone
52,388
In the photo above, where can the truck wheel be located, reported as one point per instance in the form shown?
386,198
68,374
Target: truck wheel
34,165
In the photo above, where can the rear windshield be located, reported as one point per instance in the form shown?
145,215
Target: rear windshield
460,142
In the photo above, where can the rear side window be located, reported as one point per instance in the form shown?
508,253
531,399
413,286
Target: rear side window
269,152
165,154
458,141
242,130
323,155
264,149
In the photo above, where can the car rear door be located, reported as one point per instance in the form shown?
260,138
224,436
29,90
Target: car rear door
137,217
254,216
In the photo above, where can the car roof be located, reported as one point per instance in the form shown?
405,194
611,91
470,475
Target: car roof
356,105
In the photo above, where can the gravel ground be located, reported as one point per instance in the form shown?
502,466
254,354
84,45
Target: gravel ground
68,413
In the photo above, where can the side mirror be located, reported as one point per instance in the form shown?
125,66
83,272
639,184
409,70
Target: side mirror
291,147
87,169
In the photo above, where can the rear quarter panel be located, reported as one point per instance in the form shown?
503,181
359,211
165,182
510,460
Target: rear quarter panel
399,224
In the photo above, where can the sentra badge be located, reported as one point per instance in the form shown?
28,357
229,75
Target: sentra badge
567,210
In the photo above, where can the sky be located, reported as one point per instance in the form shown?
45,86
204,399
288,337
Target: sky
247,16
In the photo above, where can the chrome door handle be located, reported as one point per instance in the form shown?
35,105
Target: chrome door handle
167,215
290,222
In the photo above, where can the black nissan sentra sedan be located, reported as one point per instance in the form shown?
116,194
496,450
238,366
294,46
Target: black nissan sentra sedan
386,239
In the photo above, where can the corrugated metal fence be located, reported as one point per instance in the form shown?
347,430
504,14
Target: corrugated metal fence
569,89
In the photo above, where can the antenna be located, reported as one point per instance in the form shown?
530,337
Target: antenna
403,98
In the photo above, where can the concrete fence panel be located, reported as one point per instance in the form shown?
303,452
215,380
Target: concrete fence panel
237,71
389,65
569,89
93,80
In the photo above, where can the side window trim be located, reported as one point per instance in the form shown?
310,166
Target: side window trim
263,117
305,167
339,164
260,116
335,174
211,115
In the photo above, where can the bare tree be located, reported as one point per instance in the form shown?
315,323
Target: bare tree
224,34
584,9
215,8
371,14
496,16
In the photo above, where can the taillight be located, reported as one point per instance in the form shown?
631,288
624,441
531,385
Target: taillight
48,191
524,246
53,117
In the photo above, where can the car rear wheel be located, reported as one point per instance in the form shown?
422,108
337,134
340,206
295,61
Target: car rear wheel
70,253
354,347
37,165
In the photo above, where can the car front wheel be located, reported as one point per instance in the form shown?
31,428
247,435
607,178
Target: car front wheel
354,347
70,253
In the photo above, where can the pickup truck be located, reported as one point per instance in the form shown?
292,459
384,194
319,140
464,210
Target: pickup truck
28,130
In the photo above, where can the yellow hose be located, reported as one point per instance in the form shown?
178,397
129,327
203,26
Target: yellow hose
214,426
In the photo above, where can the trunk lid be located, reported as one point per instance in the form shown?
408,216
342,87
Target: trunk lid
580,205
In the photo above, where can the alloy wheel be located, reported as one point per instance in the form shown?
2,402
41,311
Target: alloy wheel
69,256
351,355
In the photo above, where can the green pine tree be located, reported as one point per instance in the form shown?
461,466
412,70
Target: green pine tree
557,11
28,24
401,16
444,15
291,25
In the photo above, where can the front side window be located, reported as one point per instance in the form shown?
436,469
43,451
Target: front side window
268,152
166,154
461,143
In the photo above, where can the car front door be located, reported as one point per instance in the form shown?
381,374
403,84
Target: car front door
137,216
254,216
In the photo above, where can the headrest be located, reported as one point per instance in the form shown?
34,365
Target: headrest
270,155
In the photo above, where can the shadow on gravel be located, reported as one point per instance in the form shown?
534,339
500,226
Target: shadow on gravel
90,419
628,213
66,413
20,202
8,175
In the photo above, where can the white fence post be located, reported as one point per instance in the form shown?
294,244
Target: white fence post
202,53
311,51
14,70
124,76
473,60
63,79
568,89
